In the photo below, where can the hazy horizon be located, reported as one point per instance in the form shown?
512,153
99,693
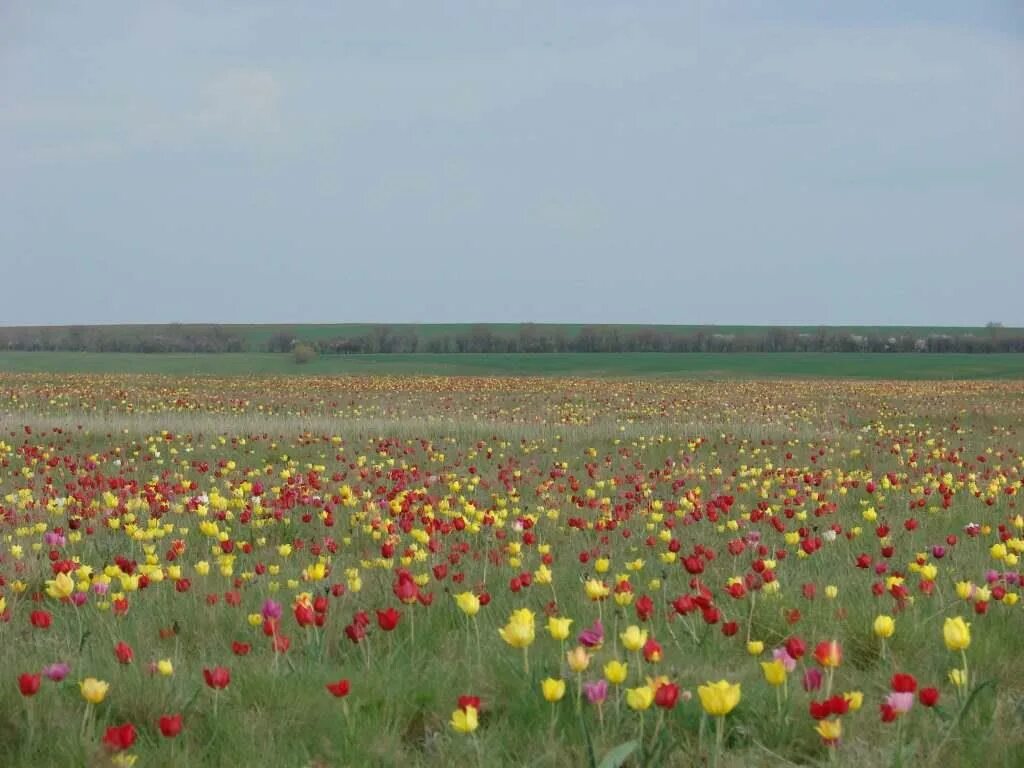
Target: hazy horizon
756,163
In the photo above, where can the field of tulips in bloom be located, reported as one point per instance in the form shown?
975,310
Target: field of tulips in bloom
420,571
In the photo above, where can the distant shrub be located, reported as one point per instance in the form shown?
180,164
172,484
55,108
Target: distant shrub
304,353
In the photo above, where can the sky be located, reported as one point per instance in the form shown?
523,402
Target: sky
776,162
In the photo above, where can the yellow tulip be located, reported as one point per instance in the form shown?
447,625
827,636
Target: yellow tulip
552,689
855,699
640,698
468,603
774,672
755,647
465,720
957,634
615,672
94,691
519,632
596,590
61,587
558,628
830,730
633,638
958,677
884,626
719,699
165,667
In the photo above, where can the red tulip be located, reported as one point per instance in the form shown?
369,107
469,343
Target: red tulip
667,695
644,607
169,725
795,647
119,737
124,653
218,677
929,697
388,620
40,619
240,649
829,653
469,701
339,689
29,684
904,683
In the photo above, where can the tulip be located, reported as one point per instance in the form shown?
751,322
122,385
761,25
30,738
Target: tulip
592,637
829,654
755,647
519,633
884,627
169,725
60,587
900,702
812,679
578,659
165,667
339,689
957,634
28,684
633,638
596,590
93,690
56,672
666,695
639,699
388,620
830,731
782,656
855,699
774,672
468,603
615,672
558,628
465,720
928,697
596,691
552,689
119,737
217,678
718,700
652,651
124,653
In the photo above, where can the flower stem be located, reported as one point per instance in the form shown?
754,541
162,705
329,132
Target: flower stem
719,739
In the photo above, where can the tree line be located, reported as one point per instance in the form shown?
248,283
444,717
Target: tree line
527,337
608,338
150,339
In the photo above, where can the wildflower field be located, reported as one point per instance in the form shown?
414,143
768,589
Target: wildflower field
419,571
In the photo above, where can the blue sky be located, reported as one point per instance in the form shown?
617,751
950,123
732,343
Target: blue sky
575,161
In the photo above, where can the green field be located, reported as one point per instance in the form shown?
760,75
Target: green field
724,365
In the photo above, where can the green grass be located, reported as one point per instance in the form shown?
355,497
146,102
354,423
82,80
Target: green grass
719,366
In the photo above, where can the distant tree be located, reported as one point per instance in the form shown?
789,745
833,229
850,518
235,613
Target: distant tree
304,353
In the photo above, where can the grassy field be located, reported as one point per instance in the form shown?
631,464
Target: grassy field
297,593
718,366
